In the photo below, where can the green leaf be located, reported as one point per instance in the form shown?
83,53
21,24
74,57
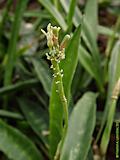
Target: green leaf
78,16
107,31
13,41
114,74
107,131
4,17
56,110
9,114
43,74
89,39
71,11
70,62
91,15
90,154
54,12
88,35
81,126
16,145
35,115
86,60
18,86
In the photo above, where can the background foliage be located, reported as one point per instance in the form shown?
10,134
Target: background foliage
31,112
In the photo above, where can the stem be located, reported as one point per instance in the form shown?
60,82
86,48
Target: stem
60,90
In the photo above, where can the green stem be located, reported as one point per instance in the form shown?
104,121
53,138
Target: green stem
60,90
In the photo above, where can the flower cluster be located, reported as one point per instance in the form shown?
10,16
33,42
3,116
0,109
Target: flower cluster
57,51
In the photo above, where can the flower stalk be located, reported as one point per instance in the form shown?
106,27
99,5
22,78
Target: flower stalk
55,55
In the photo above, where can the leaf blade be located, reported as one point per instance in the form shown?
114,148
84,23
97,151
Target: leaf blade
91,15
43,74
13,41
84,112
14,144
54,12
32,113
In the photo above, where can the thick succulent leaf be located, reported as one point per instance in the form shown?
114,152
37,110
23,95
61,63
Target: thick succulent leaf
56,110
16,145
35,115
54,12
80,129
43,74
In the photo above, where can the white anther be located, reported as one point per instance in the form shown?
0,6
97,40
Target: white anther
61,70
58,73
51,66
48,57
57,82
54,75
46,54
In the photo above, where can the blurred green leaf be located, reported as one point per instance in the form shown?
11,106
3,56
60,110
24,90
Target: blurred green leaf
107,131
114,74
91,15
86,60
16,145
13,41
35,115
55,13
4,17
107,31
34,13
78,16
9,114
109,112
96,59
90,40
81,126
18,86
43,74
71,12
56,110
90,154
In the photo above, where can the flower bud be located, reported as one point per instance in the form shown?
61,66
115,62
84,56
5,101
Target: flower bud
64,42
56,31
49,40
